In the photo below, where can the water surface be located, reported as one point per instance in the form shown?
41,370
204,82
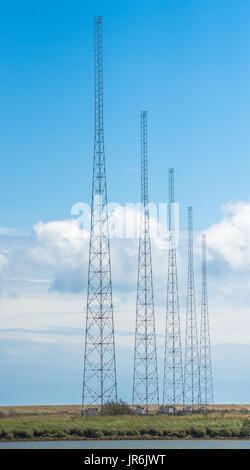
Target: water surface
161,444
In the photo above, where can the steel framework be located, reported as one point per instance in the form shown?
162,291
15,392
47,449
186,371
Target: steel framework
206,380
173,369
145,379
192,366
99,377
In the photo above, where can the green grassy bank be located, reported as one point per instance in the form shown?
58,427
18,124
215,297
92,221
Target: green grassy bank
118,427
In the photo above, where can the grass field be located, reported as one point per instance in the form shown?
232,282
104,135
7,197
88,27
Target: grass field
55,422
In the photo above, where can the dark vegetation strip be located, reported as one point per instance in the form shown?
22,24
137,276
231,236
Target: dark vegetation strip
110,427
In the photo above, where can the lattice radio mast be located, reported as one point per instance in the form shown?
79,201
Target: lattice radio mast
173,370
192,366
145,380
206,380
99,377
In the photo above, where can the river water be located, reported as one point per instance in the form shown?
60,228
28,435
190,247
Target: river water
167,444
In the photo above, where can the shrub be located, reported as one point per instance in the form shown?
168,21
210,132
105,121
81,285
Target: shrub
245,432
61,434
93,433
75,432
5,435
113,408
175,433
153,432
99,435
211,432
182,434
198,432
23,433
168,432
131,433
89,432
41,432
224,432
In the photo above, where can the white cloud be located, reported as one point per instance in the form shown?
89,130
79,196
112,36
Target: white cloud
45,276
60,243
230,238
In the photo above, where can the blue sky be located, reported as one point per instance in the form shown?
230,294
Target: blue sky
187,63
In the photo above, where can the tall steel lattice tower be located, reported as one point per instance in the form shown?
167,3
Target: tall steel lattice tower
192,366
206,380
99,377
145,381
173,370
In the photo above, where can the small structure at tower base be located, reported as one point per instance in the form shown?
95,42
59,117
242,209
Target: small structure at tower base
89,412
139,410
166,409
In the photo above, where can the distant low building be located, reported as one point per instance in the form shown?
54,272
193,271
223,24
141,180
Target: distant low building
187,409
139,410
166,409
91,412
202,408
244,410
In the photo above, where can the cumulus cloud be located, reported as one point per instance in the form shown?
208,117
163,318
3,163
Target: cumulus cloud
54,260
230,238
62,247
55,251
58,251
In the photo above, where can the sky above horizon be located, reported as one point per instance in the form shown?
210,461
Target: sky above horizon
186,63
